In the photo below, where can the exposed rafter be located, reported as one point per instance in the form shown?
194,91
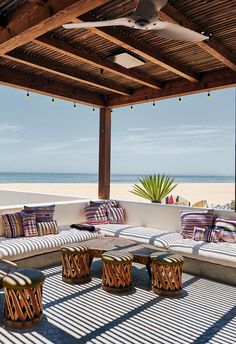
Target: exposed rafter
209,81
30,21
95,60
65,72
212,47
18,79
128,42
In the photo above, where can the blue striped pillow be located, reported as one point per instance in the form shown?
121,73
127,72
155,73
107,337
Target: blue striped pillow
43,213
228,228
13,225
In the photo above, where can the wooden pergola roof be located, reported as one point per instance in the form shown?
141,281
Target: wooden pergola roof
37,54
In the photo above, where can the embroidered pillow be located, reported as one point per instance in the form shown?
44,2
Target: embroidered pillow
46,228
228,228
201,219
105,203
43,214
29,224
116,215
12,224
96,215
206,234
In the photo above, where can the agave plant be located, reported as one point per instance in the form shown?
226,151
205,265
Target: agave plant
154,187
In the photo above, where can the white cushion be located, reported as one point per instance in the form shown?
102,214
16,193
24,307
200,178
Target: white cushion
145,235
19,248
222,251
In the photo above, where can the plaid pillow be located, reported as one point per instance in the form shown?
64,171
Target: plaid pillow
12,224
96,215
200,219
105,203
206,234
43,214
46,228
228,228
116,215
29,224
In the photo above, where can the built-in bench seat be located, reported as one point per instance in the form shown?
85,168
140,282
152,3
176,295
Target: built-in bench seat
221,253
20,248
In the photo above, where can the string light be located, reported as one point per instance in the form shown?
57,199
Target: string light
153,104
209,95
131,107
180,99
27,95
93,109
53,100
101,70
74,106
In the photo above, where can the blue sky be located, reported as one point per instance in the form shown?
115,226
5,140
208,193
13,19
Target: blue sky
194,137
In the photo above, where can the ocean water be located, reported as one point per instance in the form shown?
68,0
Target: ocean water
7,177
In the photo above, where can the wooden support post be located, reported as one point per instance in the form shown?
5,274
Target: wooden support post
104,153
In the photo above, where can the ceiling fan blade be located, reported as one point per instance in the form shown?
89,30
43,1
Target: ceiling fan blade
176,32
148,9
126,21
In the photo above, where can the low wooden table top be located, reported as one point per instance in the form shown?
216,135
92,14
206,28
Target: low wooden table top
141,252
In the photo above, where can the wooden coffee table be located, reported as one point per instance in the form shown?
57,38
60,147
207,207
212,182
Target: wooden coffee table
140,252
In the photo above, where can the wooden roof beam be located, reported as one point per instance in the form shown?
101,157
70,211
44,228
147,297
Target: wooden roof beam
212,47
25,81
30,21
126,41
95,60
65,72
209,81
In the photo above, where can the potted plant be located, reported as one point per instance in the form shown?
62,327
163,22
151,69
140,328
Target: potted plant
154,187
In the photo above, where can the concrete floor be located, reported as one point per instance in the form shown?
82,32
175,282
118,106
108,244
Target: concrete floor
206,313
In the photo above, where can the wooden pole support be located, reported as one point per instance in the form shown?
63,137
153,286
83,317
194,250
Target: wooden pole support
104,153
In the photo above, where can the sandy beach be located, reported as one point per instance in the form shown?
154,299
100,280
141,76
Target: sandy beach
214,193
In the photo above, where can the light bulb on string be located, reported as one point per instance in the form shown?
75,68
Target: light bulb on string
180,99
93,109
131,107
27,95
154,104
209,95
53,100
74,106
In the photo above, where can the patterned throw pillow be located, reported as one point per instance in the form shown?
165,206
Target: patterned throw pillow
116,215
12,224
96,215
206,234
29,224
201,219
43,214
228,228
46,228
105,203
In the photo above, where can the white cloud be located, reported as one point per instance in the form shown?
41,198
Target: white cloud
10,127
137,129
8,140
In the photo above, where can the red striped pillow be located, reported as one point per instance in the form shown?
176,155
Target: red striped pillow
191,219
29,224
228,228
96,215
116,215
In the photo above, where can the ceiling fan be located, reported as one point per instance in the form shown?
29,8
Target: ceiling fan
146,17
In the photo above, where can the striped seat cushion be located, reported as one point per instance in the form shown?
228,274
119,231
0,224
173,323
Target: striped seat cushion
43,214
191,219
13,225
20,248
96,215
228,228
116,215
46,228
29,224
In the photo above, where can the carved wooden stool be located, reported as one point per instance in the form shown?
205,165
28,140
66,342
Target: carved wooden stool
75,264
23,298
166,273
117,271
